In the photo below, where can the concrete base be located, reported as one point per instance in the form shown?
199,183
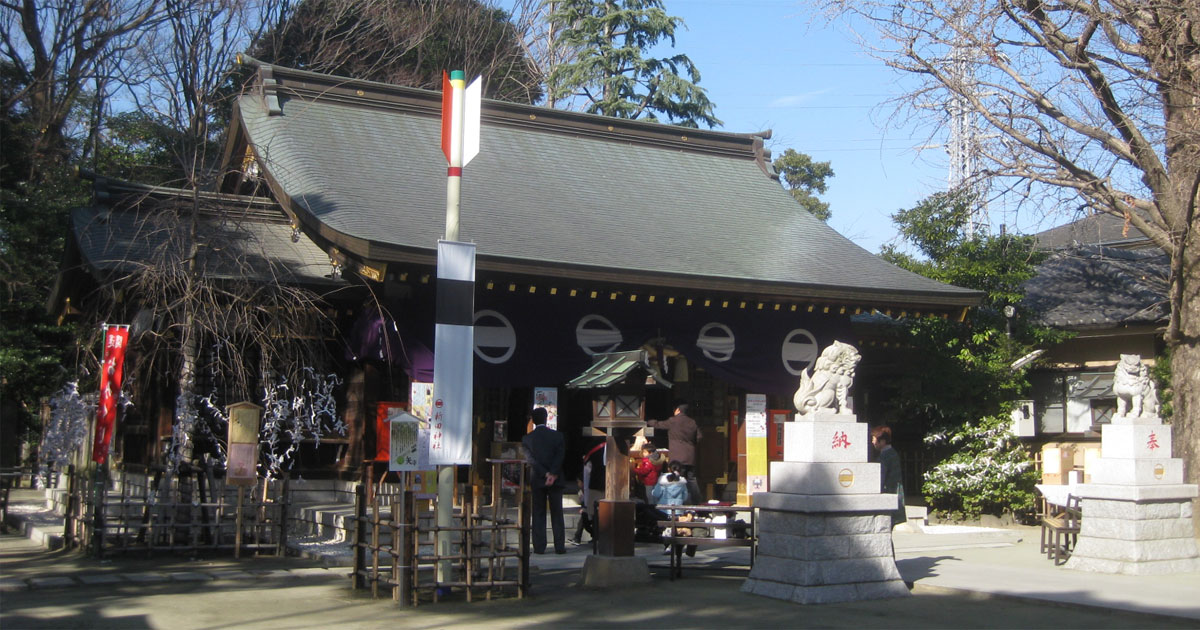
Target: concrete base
826,593
614,571
1135,537
812,556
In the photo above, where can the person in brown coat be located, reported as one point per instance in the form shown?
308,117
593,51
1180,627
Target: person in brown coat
683,434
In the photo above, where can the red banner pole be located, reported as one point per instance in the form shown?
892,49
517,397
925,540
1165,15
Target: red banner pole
112,372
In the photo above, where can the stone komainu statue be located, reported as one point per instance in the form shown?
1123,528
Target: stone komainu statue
826,385
1134,388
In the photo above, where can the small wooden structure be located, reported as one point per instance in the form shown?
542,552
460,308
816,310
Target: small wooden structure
619,414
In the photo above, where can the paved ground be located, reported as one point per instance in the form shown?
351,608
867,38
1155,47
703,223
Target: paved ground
961,577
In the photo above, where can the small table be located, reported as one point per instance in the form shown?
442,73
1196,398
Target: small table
698,512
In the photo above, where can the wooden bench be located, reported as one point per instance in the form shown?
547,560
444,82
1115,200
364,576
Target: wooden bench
1060,529
736,534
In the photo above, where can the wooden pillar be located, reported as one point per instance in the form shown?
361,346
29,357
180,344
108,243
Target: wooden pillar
616,471
360,419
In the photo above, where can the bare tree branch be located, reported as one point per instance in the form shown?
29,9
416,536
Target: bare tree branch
57,47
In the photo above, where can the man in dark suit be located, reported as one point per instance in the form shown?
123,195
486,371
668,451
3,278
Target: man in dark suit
544,449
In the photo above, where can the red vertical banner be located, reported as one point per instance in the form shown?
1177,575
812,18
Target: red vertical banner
112,373
383,428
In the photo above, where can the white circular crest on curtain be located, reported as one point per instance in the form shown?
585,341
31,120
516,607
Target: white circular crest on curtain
716,341
595,334
799,351
495,339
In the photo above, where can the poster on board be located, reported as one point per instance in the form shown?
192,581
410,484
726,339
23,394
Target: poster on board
408,447
547,397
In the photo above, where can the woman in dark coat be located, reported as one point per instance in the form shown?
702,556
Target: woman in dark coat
889,470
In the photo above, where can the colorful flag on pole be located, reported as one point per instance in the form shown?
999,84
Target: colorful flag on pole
461,106
112,372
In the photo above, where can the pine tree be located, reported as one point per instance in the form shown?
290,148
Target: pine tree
611,71
804,179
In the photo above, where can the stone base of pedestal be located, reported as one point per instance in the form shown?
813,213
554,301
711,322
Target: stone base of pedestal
823,549
615,571
1135,530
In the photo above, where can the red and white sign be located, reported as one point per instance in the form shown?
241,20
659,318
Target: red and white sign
112,373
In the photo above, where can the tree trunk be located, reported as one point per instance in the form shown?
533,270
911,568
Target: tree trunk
1179,210
1185,379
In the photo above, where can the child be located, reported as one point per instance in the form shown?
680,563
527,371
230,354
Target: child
672,488
646,470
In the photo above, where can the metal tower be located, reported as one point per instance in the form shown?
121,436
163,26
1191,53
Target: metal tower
963,142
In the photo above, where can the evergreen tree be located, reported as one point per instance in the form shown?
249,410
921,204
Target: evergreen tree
961,397
610,69
804,179
35,193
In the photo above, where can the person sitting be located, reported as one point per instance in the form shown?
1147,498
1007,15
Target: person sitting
672,489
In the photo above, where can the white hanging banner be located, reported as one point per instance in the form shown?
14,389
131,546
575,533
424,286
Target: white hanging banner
453,353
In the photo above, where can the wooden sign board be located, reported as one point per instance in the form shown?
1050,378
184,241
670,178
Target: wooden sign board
241,469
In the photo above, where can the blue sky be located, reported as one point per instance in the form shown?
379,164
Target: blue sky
767,64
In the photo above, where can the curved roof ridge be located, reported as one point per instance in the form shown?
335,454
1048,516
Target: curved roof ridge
554,193
367,93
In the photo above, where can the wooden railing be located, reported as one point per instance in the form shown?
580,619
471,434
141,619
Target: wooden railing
395,548
132,511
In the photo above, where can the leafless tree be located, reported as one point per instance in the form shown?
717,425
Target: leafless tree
176,77
406,42
58,47
186,62
1089,105
540,39
209,303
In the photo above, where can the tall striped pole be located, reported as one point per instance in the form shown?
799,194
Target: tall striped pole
450,431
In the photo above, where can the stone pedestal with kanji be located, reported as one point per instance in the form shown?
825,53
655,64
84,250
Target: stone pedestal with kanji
1137,512
824,528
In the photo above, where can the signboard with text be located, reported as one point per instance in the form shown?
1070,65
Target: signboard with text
241,468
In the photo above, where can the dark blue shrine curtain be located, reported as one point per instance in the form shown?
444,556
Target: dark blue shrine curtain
524,339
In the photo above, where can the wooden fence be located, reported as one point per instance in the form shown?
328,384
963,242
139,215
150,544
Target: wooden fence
11,478
395,548
137,510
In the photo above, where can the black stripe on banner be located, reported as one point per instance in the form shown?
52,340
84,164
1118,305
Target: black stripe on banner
455,302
